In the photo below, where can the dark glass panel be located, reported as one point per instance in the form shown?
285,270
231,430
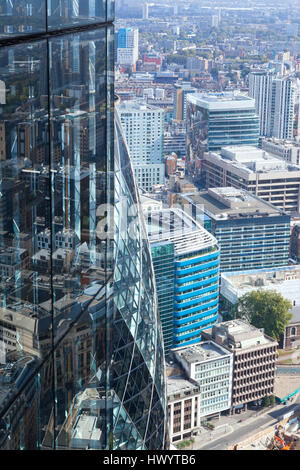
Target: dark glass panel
24,203
66,13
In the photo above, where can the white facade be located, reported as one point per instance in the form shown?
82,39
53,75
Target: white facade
211,366
275,102
143,126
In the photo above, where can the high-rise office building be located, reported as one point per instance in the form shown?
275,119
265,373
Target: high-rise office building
275,102
215,120
127,46
176,239
143,126
81,357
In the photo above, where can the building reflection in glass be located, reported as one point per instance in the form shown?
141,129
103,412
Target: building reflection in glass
81,359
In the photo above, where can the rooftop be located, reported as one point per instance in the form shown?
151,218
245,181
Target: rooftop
137,106
177,227
228,203
178,384
238,334
229,101
201,352
285,280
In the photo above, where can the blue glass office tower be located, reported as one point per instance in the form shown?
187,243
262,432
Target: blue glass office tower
195,276
81,357
216,120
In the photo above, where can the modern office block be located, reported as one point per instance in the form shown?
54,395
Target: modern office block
143,127
81,357
196,274
215,120
265,175
274,102
251,233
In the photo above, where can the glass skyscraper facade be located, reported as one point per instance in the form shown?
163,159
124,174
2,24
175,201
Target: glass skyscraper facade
216,120
81,356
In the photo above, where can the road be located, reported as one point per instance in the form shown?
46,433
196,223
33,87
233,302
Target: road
244,429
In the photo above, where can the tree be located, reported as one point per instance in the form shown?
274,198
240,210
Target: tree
264,309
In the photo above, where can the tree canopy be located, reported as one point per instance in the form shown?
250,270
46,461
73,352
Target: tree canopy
264,309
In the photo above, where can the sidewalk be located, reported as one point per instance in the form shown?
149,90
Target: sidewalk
230,424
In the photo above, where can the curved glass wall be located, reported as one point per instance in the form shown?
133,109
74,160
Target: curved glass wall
63,331
138,380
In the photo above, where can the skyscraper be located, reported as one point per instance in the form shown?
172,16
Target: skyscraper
143,126
274,102
81,357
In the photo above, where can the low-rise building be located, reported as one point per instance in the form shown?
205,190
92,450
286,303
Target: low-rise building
284,280
211,366
183,407
255,356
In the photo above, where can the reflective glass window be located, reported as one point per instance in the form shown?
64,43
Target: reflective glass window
19,17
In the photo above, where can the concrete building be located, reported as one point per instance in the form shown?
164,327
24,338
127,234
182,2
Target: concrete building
211,366
275,101
265,175
251,233
186,265
143,126
286,149
215,120
255,356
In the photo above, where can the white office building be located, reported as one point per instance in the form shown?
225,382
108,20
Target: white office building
143,126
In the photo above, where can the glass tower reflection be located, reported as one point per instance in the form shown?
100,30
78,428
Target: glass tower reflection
80,352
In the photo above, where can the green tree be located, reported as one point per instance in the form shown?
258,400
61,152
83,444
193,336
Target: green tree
264,309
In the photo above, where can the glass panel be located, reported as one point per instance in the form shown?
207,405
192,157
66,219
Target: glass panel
18,17
81,258
66,13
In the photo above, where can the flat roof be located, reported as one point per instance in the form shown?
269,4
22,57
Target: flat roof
179,228
229,203
253,160
138,106
285,280
178,384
